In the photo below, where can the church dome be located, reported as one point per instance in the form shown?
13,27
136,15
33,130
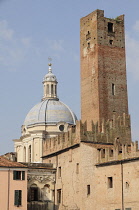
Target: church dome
50,111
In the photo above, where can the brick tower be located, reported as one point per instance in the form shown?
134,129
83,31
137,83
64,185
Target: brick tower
103,67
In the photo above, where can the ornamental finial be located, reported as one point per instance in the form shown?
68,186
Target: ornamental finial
50,64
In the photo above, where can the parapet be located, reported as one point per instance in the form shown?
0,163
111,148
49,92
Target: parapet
118,152
104,132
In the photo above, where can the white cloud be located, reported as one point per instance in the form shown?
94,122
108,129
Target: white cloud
12,49
5,32
56,45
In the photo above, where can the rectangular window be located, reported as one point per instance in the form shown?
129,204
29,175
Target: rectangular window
77,168
18,197
111,152
128,209
34,193
110,27
18,175
103,153
111,42
110,182
59,196
59,172
88,189
113,89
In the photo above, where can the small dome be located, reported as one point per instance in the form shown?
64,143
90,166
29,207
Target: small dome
50,77
50,111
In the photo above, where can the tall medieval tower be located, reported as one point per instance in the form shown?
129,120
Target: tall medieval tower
103,67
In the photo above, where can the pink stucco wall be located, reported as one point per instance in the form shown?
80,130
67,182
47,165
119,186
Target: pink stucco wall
8,187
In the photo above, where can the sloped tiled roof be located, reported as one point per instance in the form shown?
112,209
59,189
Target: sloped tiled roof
4,162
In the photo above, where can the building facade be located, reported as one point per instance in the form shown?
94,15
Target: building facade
13,185
95,159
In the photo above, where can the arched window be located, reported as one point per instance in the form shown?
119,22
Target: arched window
47,89
34,192
52,89
29,154
55,90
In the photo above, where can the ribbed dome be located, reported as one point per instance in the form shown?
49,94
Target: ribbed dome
50,77
50,111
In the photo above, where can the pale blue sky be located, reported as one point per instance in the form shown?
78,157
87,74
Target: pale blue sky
33,30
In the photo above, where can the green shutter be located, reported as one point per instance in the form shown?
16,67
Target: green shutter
14,175
16,197
20,197
23,175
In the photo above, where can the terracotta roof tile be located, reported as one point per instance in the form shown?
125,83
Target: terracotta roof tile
4,162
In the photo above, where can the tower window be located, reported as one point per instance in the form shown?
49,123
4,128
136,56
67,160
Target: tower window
113,89
110,27
88,189
110,182
88,35
88,45
111,42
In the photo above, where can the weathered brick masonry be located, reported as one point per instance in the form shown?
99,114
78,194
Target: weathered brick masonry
103,67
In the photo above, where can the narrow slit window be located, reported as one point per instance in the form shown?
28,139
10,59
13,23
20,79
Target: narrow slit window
88,45
77,168
52,89
88,190
59,172
113,89
59,196
47,89
29,153
110,182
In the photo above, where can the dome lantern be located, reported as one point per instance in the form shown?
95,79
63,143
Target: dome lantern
49,85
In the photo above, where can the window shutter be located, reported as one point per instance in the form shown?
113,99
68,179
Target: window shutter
14,175
23,175
20,197
16,198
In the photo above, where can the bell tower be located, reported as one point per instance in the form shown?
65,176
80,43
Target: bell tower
103,67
